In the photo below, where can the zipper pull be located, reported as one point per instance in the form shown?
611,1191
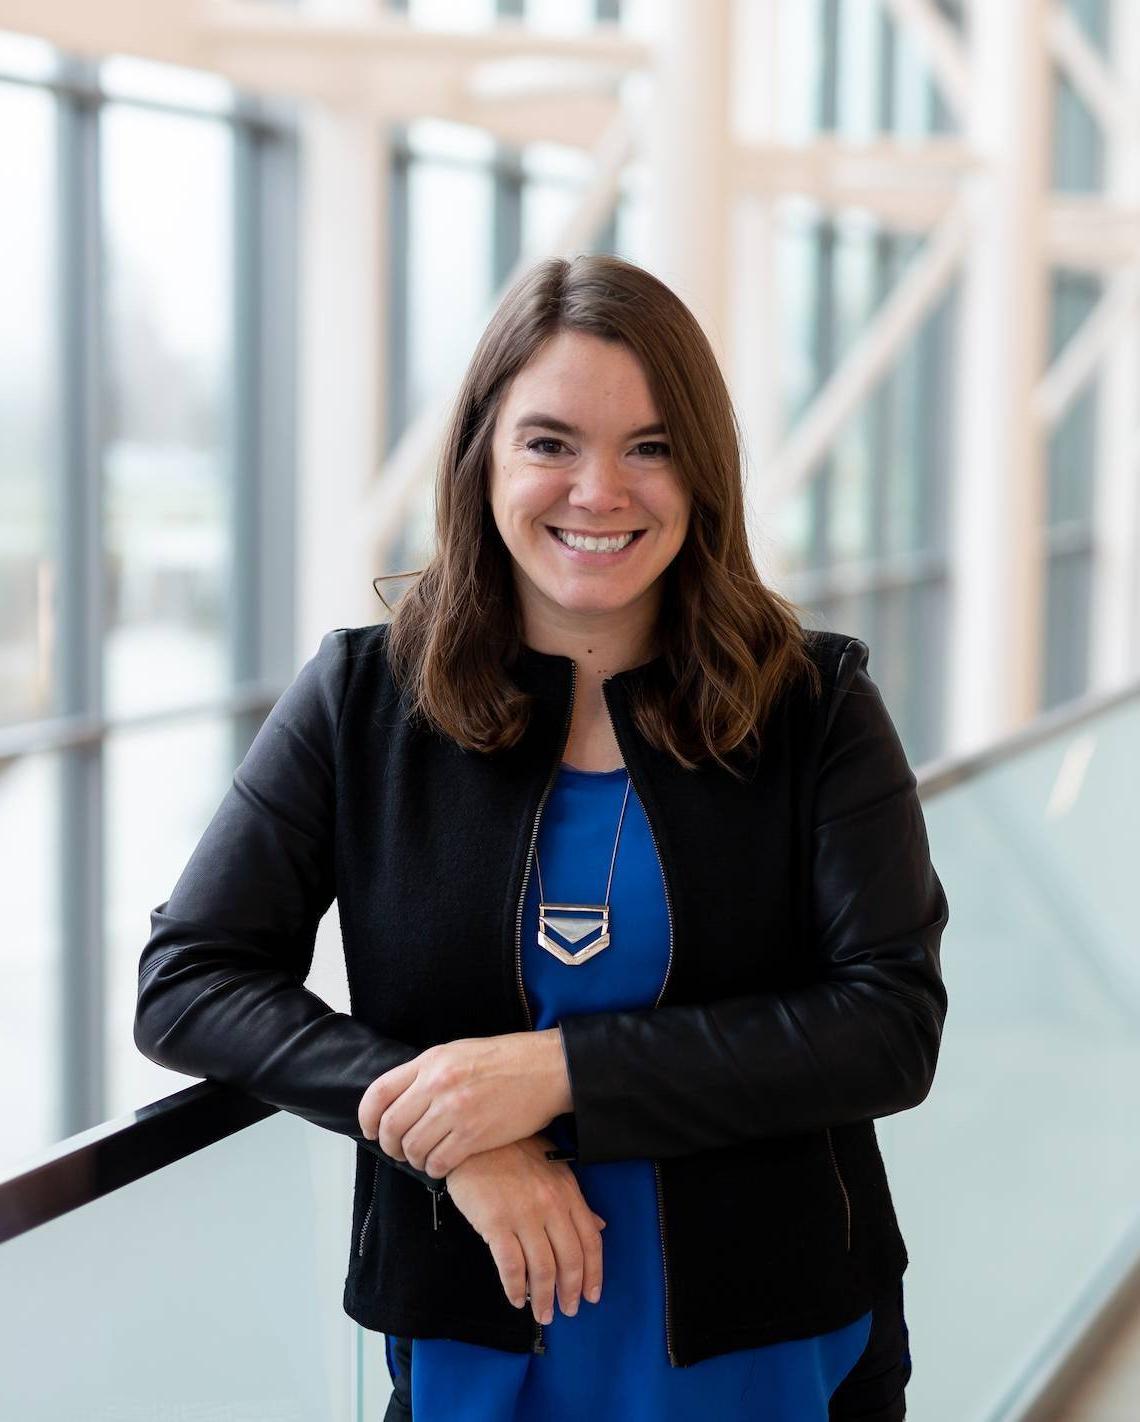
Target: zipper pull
435,1194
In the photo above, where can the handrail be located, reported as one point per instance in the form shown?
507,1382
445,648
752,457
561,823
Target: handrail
936,776
91,1163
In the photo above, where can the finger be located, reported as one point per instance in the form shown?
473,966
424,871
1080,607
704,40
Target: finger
423,1136
444,1157
540,1272
589,1232
398,1120
379,1095
564,1229
510,1261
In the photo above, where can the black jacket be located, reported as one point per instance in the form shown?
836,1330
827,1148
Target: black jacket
803,996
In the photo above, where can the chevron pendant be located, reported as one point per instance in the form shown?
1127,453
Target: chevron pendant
560,926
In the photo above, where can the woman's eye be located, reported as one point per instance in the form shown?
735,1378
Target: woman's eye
652,444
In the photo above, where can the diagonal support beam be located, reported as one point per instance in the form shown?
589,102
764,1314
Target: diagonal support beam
868,361
1097,86
1086,348
938,41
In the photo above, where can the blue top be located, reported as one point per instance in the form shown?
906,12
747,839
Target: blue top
609,1361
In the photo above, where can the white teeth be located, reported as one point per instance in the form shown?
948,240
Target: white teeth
594,545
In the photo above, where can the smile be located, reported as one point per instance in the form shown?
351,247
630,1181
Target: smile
581,550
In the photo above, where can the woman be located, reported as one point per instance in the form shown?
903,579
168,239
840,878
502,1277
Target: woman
639,917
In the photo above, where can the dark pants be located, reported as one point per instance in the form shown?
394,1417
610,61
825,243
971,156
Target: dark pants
873,1391
400,1370
875,1388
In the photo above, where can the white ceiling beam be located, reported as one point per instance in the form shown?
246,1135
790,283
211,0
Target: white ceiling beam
165,30
386,33
1088,232
519,85
927,163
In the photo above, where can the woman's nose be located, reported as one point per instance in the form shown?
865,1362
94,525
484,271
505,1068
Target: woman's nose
600,484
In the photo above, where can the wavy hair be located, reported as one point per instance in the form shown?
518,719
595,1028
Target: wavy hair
731,645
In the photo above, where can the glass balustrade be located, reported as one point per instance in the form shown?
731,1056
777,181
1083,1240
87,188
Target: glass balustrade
1015,1182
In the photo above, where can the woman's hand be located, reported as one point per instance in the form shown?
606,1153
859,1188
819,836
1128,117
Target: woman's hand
464,1097
531,1213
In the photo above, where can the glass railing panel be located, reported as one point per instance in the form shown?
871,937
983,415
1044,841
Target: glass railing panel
211,1288
1015,1182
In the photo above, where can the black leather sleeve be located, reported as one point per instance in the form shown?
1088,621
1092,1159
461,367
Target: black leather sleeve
859,1043
220,987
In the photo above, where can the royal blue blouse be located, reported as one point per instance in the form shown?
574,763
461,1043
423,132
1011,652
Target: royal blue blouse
608,1362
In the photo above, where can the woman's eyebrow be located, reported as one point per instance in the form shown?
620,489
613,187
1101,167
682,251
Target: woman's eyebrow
551,422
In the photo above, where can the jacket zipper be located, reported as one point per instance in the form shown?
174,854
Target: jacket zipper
368,1212
839,1177
538,1344
539,1347
668,969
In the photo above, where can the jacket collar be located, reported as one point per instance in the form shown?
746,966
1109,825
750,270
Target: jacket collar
549,674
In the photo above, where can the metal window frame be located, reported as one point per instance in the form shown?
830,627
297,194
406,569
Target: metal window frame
262,529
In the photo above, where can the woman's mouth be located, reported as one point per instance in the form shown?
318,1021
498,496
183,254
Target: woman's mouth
594,548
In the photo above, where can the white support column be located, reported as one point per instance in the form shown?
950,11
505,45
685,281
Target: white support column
688,156
340,385
754,373
998,493
1114,654
341,376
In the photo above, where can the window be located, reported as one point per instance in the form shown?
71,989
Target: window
144,398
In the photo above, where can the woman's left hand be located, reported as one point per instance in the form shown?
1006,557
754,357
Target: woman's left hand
466,1096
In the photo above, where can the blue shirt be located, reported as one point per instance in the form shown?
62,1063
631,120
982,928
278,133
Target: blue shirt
609,1361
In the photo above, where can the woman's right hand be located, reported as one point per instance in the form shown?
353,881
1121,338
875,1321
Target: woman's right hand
531,1213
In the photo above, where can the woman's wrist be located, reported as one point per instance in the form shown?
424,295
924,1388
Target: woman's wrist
552,1073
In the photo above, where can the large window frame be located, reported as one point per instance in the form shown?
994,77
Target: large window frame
262,457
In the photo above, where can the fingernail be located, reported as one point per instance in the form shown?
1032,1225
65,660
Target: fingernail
593,1293
548,1316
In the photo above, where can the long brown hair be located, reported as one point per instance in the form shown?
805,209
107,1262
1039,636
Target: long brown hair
731,645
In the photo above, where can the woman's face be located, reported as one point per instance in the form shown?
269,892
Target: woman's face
578,447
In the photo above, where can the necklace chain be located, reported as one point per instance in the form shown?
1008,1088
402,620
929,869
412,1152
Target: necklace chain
613,856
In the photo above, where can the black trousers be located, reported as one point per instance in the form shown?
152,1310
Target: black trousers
400,1403
873,1391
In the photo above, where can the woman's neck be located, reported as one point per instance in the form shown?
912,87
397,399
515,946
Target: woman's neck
597,655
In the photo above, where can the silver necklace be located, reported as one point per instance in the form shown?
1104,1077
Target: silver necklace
573,922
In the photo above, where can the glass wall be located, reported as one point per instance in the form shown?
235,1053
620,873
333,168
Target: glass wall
141,202
865,539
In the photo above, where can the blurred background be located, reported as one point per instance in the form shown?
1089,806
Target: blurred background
246,249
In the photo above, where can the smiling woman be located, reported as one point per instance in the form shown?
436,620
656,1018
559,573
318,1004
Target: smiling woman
639,921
